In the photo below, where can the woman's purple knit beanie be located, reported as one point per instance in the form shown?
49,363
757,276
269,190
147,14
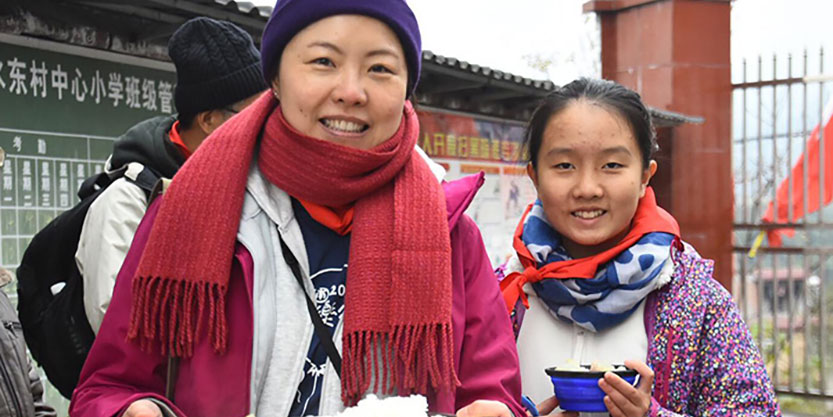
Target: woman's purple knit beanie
291,16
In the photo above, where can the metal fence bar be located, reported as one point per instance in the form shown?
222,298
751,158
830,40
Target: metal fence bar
759,305
821,138
790,257
790,321
761,83
746,215
807,321
775,283
743,301
811,394
798,226
816,251
821,290
806,170
822,338
778,136
760,163
774,141
790,146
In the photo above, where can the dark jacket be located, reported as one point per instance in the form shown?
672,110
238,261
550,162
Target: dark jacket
21,392
147,143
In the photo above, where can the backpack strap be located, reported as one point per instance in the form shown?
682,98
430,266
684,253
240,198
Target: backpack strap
98,181
146,179
159,189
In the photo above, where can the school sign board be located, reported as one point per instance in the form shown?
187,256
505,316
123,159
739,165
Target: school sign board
61,107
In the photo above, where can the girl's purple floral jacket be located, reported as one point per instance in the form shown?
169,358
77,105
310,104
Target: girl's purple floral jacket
704,360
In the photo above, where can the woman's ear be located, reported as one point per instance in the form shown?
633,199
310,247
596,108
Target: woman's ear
276,90
646,177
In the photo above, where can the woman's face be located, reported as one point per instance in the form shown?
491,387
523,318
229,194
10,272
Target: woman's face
589,177
343,79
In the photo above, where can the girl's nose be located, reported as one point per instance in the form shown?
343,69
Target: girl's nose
588,187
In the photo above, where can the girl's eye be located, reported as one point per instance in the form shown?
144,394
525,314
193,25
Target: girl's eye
323,61
563,165
380,69
613,165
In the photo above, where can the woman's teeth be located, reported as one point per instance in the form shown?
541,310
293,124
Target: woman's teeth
343,125
592,214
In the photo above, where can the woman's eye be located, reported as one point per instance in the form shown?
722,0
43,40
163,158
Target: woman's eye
323,61
563,165
613,165
380,69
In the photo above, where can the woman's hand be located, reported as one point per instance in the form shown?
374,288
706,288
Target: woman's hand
546,407
485,408
143,408
625,400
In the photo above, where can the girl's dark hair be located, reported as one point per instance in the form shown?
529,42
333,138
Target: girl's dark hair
609,94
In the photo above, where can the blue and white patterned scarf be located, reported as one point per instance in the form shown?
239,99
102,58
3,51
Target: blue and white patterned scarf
617,288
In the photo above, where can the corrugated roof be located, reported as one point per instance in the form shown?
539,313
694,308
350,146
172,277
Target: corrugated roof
662,118
454,63
246,8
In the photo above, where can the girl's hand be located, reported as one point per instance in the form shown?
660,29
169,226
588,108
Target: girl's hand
546,407
143,408
625,400
485,408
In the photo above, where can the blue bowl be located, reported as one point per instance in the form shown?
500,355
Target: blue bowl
579,390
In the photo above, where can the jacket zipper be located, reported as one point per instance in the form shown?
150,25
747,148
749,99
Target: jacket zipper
7,379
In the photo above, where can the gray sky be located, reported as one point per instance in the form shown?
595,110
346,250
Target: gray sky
499,34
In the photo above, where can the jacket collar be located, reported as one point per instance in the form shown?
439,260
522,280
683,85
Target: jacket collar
459,195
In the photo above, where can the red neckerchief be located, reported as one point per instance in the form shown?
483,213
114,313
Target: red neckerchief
649,218
337,219
174,136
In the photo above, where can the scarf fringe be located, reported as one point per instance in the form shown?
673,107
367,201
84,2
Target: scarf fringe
163,313
409,364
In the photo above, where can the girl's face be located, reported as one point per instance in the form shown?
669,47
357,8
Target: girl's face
590,177
343,79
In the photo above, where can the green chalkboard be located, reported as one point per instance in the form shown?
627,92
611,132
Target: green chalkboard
61,107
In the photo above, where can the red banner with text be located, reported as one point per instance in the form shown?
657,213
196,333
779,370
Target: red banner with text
453,136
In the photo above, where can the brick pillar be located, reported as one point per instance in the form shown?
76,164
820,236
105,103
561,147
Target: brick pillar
675,53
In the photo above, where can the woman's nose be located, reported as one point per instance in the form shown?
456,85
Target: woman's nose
350,89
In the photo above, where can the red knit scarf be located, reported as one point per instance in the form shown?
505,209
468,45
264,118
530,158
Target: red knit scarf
397,323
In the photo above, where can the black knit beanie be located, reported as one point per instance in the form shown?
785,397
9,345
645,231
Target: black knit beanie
217,65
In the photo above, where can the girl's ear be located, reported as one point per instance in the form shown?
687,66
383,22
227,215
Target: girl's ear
646,177
530,171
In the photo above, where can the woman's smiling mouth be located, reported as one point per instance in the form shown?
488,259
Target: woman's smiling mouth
341,126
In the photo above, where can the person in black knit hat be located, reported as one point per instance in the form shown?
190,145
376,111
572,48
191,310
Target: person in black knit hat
218,74
217,65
